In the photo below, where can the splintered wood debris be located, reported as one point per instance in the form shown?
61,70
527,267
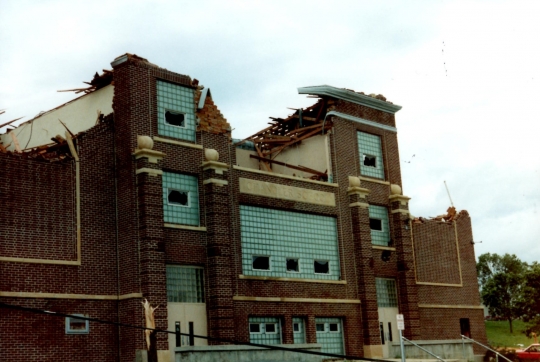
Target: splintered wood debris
292,130
98,82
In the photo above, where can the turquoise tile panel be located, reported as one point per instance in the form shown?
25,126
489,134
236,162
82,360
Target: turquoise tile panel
185,284
380,237
386,292
283,235
330,335
299,333
371,157
269,330
180,214
178,99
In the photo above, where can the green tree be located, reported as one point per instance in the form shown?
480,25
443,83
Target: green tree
531,299
501,282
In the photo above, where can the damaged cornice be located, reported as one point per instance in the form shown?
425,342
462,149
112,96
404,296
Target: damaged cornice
350,96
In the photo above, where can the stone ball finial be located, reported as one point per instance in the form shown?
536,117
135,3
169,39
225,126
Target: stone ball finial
395,189
210,154
354,181
145,142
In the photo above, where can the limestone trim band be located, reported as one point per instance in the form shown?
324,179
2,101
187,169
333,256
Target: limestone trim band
296,280
379,247
33,295
185,227
295,300
240,168
375,181
178,143
150,171
450,306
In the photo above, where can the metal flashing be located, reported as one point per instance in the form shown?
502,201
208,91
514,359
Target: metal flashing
121,59
205,93
350,96
362,121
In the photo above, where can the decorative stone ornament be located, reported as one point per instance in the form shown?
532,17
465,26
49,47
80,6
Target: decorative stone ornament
354,181
144,150
145,143
211,155
395,189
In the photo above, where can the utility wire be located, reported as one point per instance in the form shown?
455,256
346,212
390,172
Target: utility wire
271,347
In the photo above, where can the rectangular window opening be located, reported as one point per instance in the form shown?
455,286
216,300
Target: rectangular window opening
270,328
76,325
465,326
254,328
261,262
292,266
375,224
319,327
297,328
381,327
321,266
175,119
333,327
390,337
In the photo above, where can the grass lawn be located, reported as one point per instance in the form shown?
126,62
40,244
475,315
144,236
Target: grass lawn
498,334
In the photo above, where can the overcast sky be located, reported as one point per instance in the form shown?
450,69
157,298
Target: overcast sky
466,73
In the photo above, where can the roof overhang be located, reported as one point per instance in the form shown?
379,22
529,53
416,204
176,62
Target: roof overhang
350,96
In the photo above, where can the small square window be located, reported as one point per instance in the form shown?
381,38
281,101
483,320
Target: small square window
297,328
370,160
319,327
261,263
270,328
254,328
76,325
175,118
333,327
292,265
321,266
178,198
375,224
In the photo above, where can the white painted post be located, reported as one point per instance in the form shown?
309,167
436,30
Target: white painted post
401,327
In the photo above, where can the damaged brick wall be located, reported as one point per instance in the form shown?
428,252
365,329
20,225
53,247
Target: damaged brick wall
210,118
436,262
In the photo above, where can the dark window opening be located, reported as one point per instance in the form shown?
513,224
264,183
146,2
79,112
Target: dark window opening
320,327
390,332
177,332
292,265
174,119
385,255
381,327
321,267
191,334
296,327
270,328
178,197
261,262
334,327
465,327
254,328
370,160
375,224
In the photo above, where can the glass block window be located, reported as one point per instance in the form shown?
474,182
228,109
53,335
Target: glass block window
380,228
264,330
293,241
330,334
299,333
371,157
386,293
176,111
185,284
180,199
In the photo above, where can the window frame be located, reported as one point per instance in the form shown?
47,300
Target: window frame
382,224
74,316
364,155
